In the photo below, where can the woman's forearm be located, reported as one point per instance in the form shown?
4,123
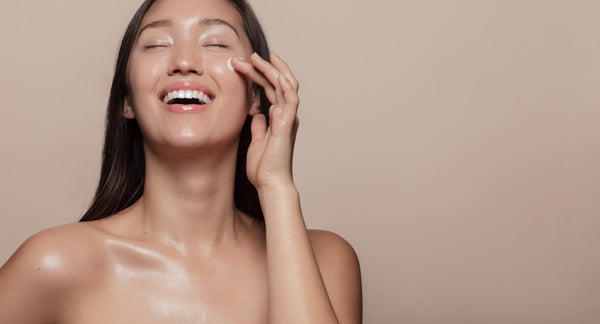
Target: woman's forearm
297,293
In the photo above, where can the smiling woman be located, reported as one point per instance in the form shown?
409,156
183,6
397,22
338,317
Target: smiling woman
196,218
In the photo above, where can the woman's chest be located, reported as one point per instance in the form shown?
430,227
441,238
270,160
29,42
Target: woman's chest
170,293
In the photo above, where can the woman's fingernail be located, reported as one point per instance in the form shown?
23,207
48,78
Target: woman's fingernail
283,78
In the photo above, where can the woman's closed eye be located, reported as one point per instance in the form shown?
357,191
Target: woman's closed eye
216,45
157,45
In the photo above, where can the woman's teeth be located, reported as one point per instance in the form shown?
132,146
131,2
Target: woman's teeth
170,97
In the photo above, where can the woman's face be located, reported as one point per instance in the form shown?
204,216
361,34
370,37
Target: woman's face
183,91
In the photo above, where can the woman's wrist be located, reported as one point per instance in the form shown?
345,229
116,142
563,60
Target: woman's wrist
282,188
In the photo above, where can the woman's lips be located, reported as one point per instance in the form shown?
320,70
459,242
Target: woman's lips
186,96
186,108
191,96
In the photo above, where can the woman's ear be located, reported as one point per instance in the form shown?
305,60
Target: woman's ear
254,102
128,109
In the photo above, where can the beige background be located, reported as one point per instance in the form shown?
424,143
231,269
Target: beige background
455,144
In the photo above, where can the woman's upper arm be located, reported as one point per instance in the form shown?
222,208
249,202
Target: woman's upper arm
340,269
34,279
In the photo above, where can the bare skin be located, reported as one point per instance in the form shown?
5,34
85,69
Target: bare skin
183,253
90,273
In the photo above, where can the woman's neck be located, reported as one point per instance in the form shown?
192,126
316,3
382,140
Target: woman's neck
188,200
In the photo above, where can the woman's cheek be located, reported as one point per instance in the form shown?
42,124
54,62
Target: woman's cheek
220,65
222,72
144,72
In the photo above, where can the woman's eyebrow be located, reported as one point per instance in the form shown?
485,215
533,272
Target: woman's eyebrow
217,21
204,21
157,23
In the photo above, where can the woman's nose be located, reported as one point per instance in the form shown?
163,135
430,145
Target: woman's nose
186,59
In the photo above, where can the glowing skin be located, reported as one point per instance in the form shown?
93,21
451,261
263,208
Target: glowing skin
183,253
194,48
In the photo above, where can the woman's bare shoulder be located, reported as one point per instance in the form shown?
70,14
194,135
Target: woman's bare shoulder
44,269
331,247
60,251
340,269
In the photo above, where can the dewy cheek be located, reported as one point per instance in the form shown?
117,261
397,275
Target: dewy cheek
223,66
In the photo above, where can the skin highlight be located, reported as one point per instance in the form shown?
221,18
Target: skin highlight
183,252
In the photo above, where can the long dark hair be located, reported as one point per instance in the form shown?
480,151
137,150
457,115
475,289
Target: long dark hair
123,163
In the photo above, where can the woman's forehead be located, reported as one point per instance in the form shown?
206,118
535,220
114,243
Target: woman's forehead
184,12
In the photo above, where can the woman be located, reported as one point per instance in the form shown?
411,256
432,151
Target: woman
192,222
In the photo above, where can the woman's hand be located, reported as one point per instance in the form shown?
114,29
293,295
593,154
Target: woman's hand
299,291
269,161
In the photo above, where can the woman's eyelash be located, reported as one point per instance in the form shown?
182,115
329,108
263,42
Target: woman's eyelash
153,46
209,45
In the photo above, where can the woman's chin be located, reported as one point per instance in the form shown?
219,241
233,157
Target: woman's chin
189,142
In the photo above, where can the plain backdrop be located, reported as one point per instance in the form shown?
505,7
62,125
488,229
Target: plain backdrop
454,143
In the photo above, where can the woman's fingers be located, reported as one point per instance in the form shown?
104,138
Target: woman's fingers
258,127
268,70
257,76
290,97
286,77
263,72
280,95
284,68
279,83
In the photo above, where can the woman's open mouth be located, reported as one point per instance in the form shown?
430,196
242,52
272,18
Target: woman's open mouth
186,97
186,100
